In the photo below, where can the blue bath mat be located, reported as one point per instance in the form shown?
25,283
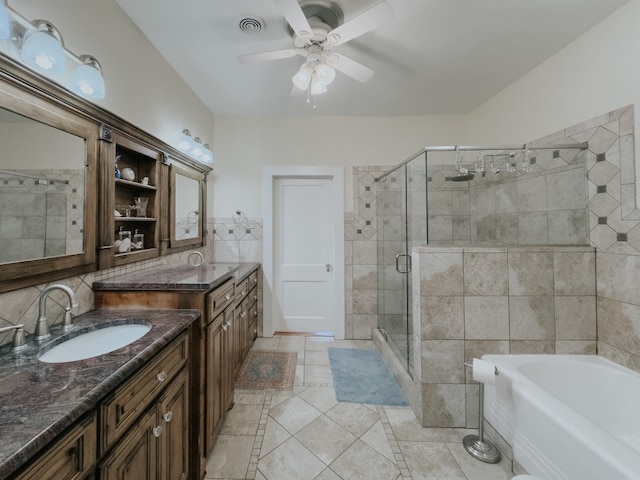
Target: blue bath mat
360,376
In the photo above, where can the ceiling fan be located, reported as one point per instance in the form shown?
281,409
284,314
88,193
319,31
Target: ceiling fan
317,27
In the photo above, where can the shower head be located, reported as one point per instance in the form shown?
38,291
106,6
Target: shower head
460,178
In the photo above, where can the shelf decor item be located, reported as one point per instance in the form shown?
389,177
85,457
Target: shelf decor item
141,205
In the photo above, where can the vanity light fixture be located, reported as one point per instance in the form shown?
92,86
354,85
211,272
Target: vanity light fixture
5,29
42,48
194,148
38,44
87,80
207,154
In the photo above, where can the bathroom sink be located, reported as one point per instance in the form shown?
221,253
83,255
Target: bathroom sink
93,343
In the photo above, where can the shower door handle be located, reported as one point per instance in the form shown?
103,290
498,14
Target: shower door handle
407,262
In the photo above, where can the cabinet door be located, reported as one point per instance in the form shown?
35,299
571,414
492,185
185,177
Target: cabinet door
136,456
70,458
229,349
214,402
173,416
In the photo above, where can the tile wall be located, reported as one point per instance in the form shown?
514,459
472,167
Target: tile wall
469,301
38,219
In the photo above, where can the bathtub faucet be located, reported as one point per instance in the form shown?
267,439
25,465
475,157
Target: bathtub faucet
43,330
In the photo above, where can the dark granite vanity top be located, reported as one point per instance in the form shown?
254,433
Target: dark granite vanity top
184,277
38,401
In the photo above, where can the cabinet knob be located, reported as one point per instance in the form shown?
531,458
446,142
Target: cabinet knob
225,327
168,416
255,297
255,280
243,314
157,431
228,296
162,376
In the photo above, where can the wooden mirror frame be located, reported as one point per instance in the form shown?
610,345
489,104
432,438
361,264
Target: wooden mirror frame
200,238
27,99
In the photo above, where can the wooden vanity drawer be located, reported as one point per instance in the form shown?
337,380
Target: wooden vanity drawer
70,458
242,289
220,298
120,410
253,280
253,296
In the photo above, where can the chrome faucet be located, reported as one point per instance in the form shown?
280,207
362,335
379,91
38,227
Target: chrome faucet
42,327
199,255
19,340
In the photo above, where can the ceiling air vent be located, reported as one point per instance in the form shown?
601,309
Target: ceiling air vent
251,25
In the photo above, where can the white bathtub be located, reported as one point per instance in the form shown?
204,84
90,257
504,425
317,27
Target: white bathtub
569,417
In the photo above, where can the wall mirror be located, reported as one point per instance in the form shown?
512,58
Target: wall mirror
186,204
46,212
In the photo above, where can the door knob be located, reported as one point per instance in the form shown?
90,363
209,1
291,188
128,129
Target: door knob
328,267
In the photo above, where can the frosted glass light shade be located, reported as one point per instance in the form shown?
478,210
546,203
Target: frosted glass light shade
325,73
302,78
207,155
43,51
317,86
185,141
196,149
4,22
88,82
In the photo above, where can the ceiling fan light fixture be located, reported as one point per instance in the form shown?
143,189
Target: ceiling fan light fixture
317,86
302,78
325,73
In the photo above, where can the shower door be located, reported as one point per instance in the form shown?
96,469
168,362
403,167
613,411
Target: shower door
401,225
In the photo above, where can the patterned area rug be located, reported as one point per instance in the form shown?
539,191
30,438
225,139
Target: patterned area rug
263,370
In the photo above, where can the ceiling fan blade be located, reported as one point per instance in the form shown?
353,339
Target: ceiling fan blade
296,18
350,67
268,56
359,25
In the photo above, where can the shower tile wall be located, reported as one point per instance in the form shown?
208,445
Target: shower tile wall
542,207
470,301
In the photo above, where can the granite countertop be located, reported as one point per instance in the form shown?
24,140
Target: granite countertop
39,400
179,277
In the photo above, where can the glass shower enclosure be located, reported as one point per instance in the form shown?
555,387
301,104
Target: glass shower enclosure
402,223
471,195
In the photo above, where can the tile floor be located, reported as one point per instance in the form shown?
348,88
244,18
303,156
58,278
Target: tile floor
307,434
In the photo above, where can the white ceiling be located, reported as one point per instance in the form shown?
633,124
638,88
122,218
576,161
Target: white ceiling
431,57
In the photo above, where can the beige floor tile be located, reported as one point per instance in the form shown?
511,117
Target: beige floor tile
406,426
290,461
325,439
318,374
299,377
249,397
376,438
230,457
344,344
316,357
242,420
328,474
354,417
318,343
361,462
430,461
475,469
266,343
323,398
294,414
274,436
291,343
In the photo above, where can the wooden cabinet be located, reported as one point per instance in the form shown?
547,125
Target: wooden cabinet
70,458
133,198
154,445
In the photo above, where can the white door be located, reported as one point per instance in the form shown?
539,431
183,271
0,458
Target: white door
304,255
303,232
